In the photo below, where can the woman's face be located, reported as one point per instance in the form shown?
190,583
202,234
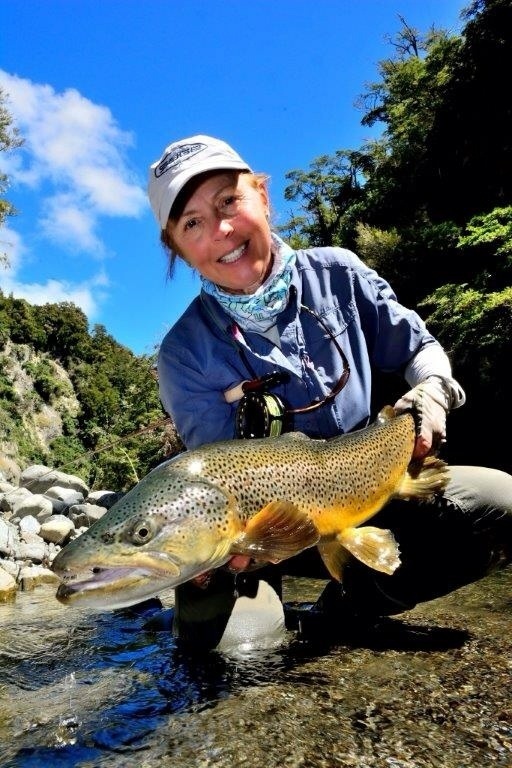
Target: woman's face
224,233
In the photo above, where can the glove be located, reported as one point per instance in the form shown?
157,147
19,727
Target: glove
429,402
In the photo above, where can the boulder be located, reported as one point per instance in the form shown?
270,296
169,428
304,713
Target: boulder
7,586
57,529
67,495
10,499
85,514
31,547
9,539
38,478
35,504
33,575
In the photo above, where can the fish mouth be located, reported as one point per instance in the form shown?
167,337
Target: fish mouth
112,587
98,579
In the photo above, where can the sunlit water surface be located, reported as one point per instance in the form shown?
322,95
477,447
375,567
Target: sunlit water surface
86,689
77,685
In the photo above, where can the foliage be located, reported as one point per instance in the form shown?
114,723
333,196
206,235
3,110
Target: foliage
427,204
44,380
476,328
328,191
111,438
470,144
9,139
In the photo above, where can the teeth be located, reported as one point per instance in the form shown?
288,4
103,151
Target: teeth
233,256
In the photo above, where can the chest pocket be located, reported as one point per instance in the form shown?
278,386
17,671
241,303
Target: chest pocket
315,325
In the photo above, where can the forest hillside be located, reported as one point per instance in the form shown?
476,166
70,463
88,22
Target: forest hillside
76,400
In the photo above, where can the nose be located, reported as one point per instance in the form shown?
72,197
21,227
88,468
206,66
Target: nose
223,228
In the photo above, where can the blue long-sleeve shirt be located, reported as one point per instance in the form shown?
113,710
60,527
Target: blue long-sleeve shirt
205,354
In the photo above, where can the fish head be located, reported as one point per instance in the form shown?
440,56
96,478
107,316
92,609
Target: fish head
172,526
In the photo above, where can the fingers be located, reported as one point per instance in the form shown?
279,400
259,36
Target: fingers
239,563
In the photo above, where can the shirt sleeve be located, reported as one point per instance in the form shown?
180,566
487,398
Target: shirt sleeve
200,413
394,333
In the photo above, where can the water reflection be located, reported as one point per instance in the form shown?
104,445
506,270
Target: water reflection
77,685
83,689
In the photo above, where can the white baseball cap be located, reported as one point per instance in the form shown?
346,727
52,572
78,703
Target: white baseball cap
180,162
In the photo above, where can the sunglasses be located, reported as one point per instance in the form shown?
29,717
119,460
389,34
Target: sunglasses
262,413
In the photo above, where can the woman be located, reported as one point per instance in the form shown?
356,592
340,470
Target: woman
302,331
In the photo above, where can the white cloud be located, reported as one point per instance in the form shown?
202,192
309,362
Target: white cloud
12,250
73,151
74,169
65,223
53,292
88,295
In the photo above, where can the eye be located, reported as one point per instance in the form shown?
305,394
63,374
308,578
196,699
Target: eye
230,201
142,532
189,224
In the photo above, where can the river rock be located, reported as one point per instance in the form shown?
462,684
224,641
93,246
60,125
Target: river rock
31,547
33,575
11,567
38,478
9,539
9,500
85,514
29,524
7,586
57,529
105,499
41,516
67,495
34,504
58,507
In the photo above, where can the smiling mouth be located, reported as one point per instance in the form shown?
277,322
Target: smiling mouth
233,256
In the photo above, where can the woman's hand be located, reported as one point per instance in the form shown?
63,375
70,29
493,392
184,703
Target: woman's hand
429,405
237,564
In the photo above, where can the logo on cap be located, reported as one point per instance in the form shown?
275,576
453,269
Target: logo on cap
177,156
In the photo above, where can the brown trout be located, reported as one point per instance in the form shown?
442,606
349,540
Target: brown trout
268,498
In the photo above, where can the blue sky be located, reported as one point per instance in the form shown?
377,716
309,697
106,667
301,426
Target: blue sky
98,88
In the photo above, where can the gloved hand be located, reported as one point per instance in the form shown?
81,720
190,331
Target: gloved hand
430,403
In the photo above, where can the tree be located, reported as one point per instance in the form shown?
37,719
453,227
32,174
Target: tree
327,195
429,206
405,101
470,144
9,139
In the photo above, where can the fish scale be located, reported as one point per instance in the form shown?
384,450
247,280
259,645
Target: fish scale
267,498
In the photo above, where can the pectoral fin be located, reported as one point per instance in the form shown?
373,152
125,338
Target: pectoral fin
280,530
375,547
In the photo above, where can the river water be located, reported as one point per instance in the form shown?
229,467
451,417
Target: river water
87,690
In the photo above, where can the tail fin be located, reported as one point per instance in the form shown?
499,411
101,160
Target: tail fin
424,478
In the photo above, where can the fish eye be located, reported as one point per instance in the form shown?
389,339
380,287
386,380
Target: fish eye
142,532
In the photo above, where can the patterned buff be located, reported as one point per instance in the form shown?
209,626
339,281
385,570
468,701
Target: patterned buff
258,311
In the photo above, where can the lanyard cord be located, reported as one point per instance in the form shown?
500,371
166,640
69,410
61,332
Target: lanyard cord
341,381
257,380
